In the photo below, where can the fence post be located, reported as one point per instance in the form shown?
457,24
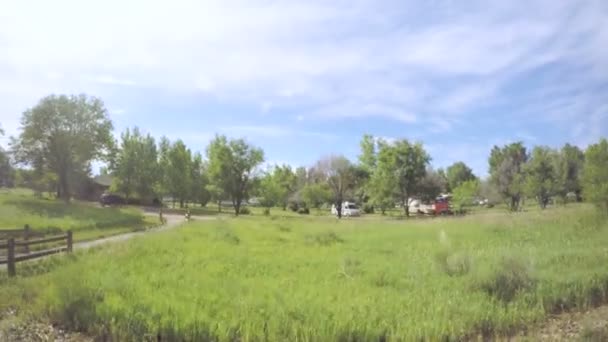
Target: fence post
26,236
70,241
11,258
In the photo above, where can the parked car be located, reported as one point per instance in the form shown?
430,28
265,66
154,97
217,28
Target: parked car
349,209
111,199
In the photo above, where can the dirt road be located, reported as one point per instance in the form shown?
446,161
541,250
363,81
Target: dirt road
173,221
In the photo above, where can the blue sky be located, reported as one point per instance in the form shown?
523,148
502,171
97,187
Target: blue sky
304,79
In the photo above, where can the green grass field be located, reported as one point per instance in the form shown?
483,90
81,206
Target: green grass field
317,279
86,220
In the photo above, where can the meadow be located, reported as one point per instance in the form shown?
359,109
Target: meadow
312,279
87,220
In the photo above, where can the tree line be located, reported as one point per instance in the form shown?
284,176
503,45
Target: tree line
62,135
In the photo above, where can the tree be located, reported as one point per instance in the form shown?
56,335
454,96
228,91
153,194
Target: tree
458,173
269,191
405,163
465,193
286,182
7,172
540,181
199,193
63,134
339,175
430,186
381,187
179,172
595,175
232,165
315,195
506,172
301,177
135,167
569,170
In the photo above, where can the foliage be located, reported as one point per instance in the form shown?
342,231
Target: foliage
177,169
340,176
569,165
326,280
269,191
135,166
540,180
286,183
465,193
232,166
457,174
245,211
595,178
63,134
315,195
430,186
7,172
506,172
401,166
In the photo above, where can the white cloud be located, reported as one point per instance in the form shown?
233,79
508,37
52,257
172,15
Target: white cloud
408,62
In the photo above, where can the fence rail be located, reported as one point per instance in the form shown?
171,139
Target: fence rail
12,257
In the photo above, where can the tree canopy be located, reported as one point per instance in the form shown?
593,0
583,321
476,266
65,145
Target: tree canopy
64,134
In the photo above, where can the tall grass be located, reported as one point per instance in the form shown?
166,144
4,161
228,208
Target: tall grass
85,219
255,278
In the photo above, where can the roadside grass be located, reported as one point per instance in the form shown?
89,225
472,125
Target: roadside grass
309,279
87,220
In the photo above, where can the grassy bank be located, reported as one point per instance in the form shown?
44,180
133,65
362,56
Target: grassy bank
86,220
313,279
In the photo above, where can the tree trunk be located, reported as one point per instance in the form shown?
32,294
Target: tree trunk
181,203
219,206
237,207
406,208
65,187
339,209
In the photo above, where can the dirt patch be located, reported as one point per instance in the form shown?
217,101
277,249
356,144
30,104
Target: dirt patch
14,329
591,325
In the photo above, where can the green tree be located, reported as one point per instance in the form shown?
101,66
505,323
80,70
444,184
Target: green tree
232,165
457,174
269,191
540,182
506,172
339,175
7,172
595,175
199,193
569,169
178,172
286,182
135,167
315,195
63,135
406,163
465,193
381,187
430,186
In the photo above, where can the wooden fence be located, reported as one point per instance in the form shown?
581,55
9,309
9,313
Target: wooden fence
21,238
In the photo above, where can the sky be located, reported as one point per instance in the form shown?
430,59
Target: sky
306,79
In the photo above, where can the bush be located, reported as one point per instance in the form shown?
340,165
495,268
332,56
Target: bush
293,206
245,211
303,211
511,277
266,212
368,208
453,264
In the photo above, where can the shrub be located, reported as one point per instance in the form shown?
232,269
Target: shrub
368,208
245,211
293,206
303,211
453,264
512,276
266,212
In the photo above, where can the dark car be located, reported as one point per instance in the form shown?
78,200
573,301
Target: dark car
110,199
